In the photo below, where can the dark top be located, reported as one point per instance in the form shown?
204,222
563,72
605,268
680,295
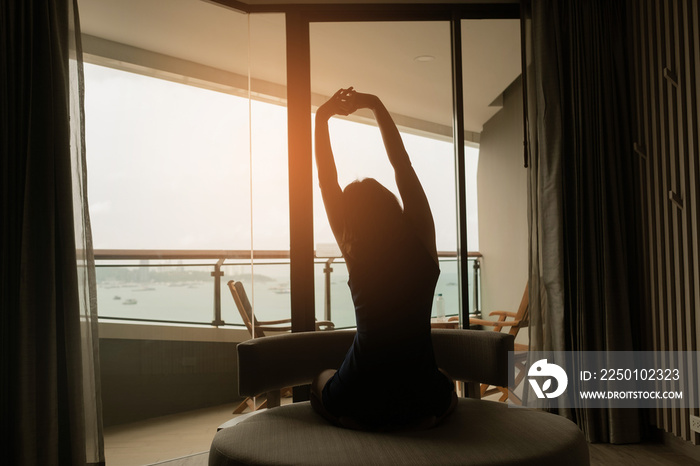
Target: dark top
389,377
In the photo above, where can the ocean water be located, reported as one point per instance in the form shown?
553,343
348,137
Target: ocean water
186,294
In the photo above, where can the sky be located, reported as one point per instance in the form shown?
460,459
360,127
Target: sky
172,166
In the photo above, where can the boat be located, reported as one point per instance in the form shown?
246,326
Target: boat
280,289
145,288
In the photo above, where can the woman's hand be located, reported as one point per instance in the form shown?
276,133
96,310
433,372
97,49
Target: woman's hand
342,103
346,101
360,100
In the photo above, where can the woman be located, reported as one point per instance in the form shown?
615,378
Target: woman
389,378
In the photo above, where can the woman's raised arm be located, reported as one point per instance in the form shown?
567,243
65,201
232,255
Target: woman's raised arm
415,202
325,163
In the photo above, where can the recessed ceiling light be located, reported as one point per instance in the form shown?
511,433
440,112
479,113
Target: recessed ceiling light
424,58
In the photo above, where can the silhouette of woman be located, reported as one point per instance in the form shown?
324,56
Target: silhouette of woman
389,378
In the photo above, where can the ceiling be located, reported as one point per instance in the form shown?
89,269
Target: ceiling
375,57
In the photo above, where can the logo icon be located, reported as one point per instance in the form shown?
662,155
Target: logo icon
543,369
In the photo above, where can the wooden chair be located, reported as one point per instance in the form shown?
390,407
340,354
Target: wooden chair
257,329
514,321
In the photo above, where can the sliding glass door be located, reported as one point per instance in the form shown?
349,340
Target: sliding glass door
408,66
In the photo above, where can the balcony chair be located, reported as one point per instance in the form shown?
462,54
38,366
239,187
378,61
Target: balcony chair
257,329
478,432
514,321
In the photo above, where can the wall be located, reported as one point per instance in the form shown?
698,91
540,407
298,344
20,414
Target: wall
665,53
502,191
146,375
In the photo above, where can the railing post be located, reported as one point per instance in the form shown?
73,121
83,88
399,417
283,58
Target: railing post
217,273
327,305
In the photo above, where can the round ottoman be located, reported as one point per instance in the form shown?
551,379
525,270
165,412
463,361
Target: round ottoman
477,433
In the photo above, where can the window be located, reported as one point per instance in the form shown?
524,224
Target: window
181,168
170,170
183,164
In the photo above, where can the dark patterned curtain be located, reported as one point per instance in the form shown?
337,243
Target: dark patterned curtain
50,390
584,278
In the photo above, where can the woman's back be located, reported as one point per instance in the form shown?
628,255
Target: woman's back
392,290
389,377
389,373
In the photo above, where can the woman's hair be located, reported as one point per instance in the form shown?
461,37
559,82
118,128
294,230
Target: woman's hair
373,216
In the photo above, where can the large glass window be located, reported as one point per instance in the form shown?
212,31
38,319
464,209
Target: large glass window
184,164
187,172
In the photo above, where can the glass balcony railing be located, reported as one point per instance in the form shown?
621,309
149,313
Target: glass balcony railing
188,287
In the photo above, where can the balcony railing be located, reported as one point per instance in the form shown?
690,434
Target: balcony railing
171,286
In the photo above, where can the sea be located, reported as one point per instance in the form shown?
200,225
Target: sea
185,294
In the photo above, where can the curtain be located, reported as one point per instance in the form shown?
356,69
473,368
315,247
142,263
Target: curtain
583,228
545,147
48,335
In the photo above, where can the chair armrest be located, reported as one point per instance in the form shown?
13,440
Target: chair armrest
324,325
503,313
494,323
274,362
288,360
275,322
475,321
473,355
274,328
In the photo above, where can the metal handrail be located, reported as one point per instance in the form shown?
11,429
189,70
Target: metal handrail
222,255
181,254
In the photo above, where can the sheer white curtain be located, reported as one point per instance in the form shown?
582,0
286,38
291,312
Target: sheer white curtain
92,414
545,146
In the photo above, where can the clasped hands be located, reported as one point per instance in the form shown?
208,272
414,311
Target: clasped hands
344,102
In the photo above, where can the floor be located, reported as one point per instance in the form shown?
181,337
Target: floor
649,454
183,440
164,438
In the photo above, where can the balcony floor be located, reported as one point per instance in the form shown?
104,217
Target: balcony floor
163,438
